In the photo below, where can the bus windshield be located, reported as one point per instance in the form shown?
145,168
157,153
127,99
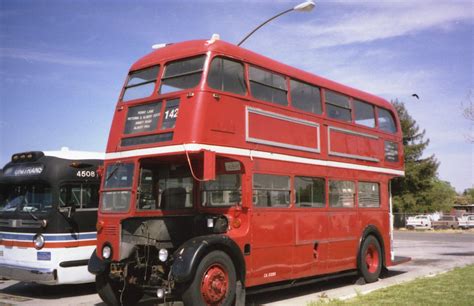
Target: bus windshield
26,198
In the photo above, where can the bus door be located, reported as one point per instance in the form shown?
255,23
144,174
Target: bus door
311,226
342,225
273,229
83,199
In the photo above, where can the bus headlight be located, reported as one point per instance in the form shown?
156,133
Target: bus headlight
106,252
163,255
38,241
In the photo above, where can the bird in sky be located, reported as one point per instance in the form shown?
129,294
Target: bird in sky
416,96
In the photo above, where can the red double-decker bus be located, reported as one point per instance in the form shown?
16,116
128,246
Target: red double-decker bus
227,171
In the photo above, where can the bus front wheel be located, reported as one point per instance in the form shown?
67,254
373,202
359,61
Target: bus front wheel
370,259
111,292
214,282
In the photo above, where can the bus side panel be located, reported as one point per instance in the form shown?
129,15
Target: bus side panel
311,242
272,244
343,240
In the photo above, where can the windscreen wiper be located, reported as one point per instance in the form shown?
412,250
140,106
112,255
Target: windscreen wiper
112,173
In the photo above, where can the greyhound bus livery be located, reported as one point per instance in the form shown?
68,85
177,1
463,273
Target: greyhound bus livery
227,173
48,214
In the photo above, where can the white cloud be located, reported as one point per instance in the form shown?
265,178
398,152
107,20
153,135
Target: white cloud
373,21
47,57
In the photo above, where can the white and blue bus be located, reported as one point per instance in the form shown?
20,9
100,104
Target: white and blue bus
48,215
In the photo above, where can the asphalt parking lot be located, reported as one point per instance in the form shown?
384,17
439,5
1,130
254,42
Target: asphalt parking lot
431,252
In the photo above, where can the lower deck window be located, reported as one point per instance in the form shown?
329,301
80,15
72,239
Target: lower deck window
225,190
165,187
368,194
341,193
271,190
309,192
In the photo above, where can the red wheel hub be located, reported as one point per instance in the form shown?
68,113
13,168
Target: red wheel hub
372,259
214,284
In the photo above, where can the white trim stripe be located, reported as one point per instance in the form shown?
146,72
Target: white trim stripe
196,147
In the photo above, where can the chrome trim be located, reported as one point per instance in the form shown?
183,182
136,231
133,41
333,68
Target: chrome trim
28,274
285,118
354,156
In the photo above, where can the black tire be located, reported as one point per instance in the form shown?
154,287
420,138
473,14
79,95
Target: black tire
216,266
370,259
109,291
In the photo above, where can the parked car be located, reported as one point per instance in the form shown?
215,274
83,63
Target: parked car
445,222
466,221
419,222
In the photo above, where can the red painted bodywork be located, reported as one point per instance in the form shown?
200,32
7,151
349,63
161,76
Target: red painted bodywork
286,243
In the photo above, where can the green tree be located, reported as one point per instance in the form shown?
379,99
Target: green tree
441,196
469,194
410,192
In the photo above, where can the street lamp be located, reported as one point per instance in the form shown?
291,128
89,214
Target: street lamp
302,7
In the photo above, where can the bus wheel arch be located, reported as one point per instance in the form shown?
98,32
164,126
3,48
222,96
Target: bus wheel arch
190,254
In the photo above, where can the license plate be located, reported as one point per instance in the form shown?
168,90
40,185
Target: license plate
43,256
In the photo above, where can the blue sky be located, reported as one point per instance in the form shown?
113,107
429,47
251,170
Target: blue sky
62,63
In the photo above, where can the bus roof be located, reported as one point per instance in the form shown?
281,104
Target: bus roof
65,153
195,47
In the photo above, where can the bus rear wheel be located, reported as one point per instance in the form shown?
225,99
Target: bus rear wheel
370,259
110,291
214,282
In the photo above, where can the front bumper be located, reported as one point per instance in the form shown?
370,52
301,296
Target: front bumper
29,274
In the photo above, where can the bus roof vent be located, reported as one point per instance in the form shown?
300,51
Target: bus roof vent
213,39
159,46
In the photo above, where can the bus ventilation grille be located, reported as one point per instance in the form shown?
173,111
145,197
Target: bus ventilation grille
110,230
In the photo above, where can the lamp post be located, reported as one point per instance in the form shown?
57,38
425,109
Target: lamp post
302,7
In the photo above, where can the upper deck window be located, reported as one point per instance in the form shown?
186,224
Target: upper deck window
338,106
182,74
227,75
140,83
305,97
268,86
386,121
364,113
